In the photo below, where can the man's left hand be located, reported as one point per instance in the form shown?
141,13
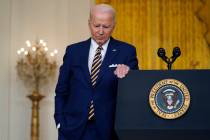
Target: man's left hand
121,71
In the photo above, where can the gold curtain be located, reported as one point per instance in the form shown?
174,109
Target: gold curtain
203,14
150,24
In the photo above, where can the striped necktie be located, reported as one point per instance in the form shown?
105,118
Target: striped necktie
97,60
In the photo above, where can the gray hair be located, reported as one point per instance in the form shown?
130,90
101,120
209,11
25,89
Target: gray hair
103,8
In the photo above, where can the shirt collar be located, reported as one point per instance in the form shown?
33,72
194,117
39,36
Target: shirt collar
95,45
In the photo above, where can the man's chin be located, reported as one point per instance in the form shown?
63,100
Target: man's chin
101,42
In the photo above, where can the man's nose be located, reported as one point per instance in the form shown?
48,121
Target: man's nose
101,30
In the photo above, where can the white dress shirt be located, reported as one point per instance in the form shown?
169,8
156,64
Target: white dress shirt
93,47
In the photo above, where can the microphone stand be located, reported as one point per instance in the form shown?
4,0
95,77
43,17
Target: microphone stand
176,53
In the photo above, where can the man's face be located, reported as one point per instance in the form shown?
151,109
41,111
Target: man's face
101,26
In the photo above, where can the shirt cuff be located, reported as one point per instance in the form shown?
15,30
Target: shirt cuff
58,126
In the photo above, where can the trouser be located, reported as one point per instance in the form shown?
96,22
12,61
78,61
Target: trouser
90,132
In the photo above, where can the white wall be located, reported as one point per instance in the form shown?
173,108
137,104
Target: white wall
5,67
59,23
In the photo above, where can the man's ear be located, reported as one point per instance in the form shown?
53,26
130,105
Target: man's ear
113,26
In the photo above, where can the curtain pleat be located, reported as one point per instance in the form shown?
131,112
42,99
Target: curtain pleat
150,24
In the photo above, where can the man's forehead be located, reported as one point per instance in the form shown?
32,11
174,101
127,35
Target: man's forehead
102,19
101,14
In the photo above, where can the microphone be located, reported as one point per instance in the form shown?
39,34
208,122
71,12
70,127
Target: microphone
162,54
176,54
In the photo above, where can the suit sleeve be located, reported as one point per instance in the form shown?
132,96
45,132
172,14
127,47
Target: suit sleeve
132,60
62,87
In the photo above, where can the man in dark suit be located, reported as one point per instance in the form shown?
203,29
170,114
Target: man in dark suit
87,85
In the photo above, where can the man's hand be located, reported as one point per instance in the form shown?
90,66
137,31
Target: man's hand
121,71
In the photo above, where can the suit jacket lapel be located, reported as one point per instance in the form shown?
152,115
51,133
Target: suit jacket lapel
112,51
85,50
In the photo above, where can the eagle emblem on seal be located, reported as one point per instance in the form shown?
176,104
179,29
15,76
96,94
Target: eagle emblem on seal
169,99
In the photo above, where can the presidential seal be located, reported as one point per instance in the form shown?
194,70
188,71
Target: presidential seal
169,99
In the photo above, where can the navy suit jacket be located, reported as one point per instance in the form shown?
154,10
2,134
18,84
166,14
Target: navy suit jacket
74,90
